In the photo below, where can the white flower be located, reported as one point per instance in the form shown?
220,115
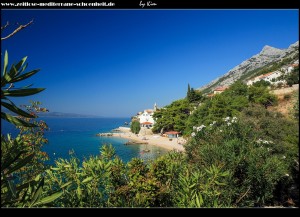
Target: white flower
200,128
284,157
259,140
213,123
227,119
193,134
221,131
234,120
194,127
287,174
228,123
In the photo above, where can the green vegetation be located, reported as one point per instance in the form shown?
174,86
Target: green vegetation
229,103
172,117
21,157
238,154
135,126
193,96
293,77
257,150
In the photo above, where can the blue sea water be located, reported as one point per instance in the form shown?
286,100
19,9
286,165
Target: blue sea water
79,134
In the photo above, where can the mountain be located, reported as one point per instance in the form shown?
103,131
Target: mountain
268,56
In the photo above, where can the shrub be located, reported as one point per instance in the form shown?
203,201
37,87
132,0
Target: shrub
135,126
258,149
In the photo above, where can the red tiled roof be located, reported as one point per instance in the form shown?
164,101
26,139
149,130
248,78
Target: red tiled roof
265,75
221,88
146,123
172,132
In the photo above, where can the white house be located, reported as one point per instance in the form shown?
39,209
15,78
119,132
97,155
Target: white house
146,117
266,77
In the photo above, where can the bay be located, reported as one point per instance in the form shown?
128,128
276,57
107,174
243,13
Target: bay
79,135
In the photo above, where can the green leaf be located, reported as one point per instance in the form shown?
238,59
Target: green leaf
17,110
20,164
87,179
199,200
49,199
79,193
37,193
67,166
66,184
24,76
9,161
12,72
219,183
22,92
16,121
5,63
20,63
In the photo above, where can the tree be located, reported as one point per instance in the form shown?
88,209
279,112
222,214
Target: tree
192,95
261,95
293,77
188,92
135,126
172,117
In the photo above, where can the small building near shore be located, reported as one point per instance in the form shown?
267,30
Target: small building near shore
146,124
172,134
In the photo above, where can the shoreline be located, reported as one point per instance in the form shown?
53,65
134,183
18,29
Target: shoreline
155,139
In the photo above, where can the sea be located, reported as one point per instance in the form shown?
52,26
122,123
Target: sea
79,135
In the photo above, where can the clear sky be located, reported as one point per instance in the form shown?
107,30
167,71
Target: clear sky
115,63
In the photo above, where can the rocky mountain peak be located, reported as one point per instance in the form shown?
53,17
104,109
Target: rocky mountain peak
267,56
270,51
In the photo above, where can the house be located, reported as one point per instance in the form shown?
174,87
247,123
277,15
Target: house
220,89
146,117
147,124
270,77
172,134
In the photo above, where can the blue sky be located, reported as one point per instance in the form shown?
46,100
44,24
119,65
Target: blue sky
115,63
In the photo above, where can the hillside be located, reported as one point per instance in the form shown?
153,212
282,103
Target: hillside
268,59
287,98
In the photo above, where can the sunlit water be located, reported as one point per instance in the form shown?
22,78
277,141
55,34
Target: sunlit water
79,134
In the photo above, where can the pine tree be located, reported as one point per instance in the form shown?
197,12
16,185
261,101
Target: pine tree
188,94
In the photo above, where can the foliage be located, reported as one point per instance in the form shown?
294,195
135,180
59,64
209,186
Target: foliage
8,79
228,103
261,95
296,108
258,149
172,117
21,157
135,126
262,83
106,181
293,77
193,96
